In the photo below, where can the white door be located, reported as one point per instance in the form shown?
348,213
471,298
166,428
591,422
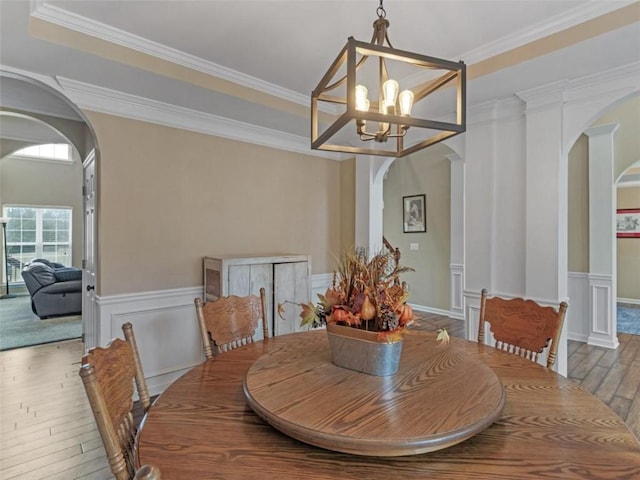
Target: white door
89,319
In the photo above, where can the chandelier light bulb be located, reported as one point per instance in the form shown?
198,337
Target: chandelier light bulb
362,103
406,102
390,92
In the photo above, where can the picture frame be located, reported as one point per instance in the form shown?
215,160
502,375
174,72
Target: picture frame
628,223
414,213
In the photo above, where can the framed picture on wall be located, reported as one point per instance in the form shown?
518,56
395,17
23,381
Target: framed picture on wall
414,217
628,223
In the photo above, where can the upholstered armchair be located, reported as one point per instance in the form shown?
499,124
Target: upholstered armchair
55,289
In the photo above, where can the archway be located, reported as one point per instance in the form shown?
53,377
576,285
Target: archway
436,253
43,101
596,160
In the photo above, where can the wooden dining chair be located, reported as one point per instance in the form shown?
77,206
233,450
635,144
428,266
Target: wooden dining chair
108,375
522,326
148,472
230,322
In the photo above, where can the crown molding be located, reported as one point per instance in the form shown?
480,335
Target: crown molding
54,14
104,100
551,94
510,108
625,78
560,22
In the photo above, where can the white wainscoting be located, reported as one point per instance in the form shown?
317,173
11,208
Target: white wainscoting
472,314
578,325
591,317
456,273
166,330
602,311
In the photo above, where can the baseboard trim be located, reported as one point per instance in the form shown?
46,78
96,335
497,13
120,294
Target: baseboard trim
577,337
436,311
632,301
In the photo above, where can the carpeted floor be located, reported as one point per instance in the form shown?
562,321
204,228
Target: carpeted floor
628,318
20,327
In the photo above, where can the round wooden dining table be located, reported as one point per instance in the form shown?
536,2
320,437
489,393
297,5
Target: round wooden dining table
202,427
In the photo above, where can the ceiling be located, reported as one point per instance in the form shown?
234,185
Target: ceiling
229,66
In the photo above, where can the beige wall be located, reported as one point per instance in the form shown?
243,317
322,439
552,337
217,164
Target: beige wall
168,197
578,236
427,172
628,250
46,183
347,205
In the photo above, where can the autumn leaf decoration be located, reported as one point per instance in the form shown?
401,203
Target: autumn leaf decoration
365,293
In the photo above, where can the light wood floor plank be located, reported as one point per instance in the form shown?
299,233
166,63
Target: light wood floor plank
48,430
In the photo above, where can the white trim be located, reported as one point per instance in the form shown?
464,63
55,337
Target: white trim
602,313
578,337
435,311
545,302
560,22
456,279
632,301
112,102
550,26
628,184
72,21
321,281
151,296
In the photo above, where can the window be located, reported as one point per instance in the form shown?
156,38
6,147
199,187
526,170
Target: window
34,232
55,151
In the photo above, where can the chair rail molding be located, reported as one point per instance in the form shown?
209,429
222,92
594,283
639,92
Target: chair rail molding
577,319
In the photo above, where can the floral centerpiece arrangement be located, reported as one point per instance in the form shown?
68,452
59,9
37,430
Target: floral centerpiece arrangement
365,294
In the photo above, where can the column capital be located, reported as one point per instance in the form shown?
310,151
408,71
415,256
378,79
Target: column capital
601,130
551,95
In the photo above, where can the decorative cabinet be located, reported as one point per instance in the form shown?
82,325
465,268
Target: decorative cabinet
285,278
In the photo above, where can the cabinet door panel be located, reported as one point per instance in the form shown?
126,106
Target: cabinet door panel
262,277
291,283
239,280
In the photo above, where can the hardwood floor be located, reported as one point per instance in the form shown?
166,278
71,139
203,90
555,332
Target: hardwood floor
47,429
611,375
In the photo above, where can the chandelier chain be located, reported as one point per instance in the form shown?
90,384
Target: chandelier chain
380,11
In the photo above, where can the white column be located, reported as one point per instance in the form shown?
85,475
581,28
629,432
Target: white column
602,269
456,261
546,185
369,201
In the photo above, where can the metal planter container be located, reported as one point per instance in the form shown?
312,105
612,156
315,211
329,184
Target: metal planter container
361,351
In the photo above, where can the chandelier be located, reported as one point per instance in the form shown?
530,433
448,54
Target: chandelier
379,126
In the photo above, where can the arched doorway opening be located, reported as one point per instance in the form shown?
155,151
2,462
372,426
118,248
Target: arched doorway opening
437,252
606,146
23,97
